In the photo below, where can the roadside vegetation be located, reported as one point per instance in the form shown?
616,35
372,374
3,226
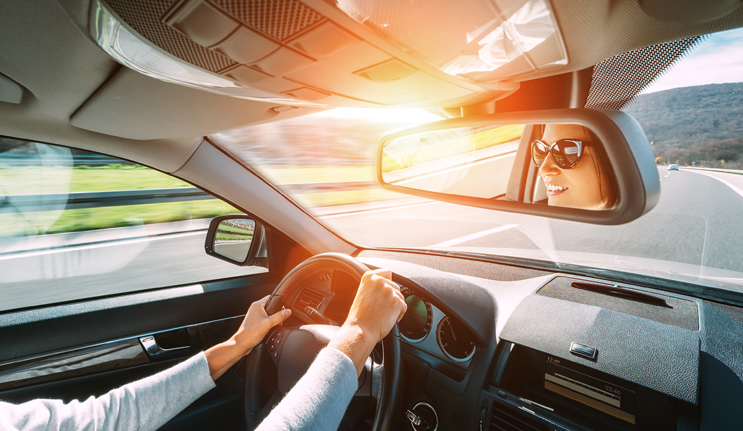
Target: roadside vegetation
30,180
700,125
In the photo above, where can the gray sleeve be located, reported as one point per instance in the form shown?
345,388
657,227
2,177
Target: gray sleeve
319,399
146,404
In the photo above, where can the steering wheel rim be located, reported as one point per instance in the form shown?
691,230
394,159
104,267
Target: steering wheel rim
388,401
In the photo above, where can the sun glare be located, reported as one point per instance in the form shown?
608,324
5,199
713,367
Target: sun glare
381,115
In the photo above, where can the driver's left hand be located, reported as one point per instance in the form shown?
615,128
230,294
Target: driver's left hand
257,323
255,326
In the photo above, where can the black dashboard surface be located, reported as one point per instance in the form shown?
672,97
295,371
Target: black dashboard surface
686,358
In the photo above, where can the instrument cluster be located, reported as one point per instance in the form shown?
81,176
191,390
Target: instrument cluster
453,338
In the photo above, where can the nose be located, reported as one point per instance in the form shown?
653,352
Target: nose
549,169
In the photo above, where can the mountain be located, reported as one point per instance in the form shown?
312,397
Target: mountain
702,124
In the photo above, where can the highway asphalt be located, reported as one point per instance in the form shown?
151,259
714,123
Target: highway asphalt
59,275
697,223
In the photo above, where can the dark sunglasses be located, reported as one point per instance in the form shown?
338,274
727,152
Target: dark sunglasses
566,153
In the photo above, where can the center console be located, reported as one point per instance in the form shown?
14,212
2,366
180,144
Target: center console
533,390
565,363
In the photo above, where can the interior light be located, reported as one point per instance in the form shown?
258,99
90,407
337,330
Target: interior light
481,40
127,48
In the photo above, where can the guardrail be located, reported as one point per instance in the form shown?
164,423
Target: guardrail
724,171
70,201
21,159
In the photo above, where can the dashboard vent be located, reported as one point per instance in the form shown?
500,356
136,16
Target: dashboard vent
513,420
310,298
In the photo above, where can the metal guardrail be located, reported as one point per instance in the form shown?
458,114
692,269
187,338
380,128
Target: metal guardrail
31,203
724,171
71,201
21,159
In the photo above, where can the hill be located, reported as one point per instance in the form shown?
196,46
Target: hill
702,124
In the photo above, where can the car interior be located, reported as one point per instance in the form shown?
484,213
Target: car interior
488,342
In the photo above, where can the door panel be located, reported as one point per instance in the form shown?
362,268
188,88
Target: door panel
101,340
97,255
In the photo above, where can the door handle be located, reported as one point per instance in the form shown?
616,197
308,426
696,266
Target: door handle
157,353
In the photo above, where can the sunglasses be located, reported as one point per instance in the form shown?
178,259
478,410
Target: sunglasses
566,153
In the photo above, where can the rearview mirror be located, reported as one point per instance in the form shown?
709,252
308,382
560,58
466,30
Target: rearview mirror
585,165
234,238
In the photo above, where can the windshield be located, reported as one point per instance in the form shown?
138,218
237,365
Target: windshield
693,116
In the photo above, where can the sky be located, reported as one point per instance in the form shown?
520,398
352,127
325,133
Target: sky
717,60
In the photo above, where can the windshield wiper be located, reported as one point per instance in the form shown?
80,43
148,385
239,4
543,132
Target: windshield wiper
615,290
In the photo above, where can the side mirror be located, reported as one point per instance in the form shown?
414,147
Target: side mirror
234,238
586,165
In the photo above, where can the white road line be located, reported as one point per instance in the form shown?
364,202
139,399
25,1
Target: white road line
735,189
459,240
93,246
348,214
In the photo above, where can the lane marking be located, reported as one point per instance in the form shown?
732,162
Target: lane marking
94,246
735,189
348,214
476,235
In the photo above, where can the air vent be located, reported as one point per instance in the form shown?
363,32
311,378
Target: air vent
513,420
309,298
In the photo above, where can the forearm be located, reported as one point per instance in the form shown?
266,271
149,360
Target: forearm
224,355
146,404
354,343
319,399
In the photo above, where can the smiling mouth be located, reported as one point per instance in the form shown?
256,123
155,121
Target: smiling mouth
554,189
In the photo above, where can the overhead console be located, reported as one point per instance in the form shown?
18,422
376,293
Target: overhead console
589,360
305,52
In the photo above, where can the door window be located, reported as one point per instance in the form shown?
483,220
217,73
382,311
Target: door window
75,224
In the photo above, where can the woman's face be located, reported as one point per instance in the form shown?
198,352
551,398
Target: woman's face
578,187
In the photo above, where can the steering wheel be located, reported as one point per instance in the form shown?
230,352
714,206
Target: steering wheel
294,349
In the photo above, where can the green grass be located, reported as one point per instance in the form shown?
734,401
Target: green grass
409,156
34,180
231,237
52,180
224,227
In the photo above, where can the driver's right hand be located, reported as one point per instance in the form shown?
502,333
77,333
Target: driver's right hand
378,305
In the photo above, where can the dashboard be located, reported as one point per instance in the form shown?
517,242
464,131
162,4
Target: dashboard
494,347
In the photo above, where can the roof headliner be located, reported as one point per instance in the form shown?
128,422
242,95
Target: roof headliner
61,68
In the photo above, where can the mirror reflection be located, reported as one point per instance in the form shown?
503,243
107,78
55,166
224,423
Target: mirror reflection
572,167
473,162
561,165
233,238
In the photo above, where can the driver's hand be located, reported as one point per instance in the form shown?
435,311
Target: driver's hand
377,306
257,323
255,326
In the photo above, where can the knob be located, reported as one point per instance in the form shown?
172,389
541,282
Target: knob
423,417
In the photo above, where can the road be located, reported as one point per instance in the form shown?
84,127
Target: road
696,222
695,229
109,268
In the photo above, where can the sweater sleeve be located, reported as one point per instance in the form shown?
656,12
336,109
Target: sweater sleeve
319,399
146,404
